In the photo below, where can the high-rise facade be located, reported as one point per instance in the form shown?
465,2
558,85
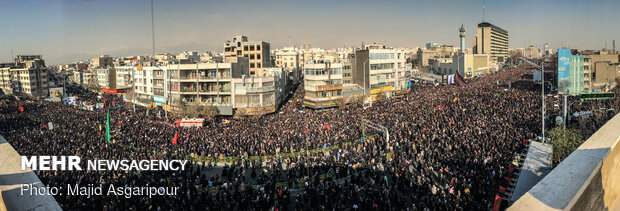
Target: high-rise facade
28,75
492,40
322,83
599,70
258,52
380,69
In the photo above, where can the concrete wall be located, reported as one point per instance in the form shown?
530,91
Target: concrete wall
588,179
11,179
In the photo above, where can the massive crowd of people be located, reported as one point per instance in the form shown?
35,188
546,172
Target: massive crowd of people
449,148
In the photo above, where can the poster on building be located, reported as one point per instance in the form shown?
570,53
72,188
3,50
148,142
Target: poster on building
563,69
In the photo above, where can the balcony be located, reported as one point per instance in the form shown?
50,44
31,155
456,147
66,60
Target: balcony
187,78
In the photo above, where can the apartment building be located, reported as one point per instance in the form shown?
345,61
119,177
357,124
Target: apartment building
492,40
206,83
191,56
600,68
5,78
468,65
27,75
347,72
380,69
287,57
103,61
85,78
322,83
434,52
532,52
258,52
260,94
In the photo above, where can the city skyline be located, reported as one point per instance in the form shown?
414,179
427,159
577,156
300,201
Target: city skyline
64,31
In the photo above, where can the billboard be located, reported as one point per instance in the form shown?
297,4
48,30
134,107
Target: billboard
159,99
563,69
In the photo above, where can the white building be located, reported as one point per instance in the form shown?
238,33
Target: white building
322,83
380,68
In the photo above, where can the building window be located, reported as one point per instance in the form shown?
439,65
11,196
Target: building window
245,48
245,55
374,56
258,65
252,65
251,47
251,56
257,56
258,47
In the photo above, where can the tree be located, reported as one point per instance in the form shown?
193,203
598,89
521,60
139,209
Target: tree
129,95
209,112
380,97
341,102
564,142
182,107
193,110
357,100
514,57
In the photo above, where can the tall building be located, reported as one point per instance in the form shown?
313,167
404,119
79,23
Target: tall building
261,94
531,52
599,70
103,61
205,83
322,83
258,52
492,40
380,69
27,75
287,58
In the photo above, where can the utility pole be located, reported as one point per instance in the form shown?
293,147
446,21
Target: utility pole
565,109
543,100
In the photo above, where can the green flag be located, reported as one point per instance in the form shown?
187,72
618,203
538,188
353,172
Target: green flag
107,127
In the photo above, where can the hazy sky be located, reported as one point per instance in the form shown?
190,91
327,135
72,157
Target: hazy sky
69,30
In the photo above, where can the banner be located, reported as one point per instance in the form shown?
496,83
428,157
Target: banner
176,137
107,127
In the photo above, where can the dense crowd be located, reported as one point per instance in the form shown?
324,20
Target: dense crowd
448,149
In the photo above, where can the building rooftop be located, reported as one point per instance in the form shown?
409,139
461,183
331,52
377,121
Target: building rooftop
487,24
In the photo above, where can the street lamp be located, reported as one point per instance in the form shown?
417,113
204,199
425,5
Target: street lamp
542,68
